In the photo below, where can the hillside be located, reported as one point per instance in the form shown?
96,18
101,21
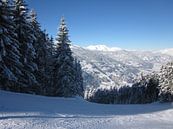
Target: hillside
21,111
106,67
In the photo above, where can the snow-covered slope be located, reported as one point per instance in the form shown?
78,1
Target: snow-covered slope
21,111
105,68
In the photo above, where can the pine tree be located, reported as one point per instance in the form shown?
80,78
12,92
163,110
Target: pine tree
50,46
64,72
44,51
166,83
144,90
39,45
78,78
9,50
50,51
25,38
28,55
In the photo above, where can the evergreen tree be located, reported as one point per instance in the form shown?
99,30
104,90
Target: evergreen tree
51,46
39,44
144,90
78,78
29,61
166,83
44,51
50,50
9,50
64,72
25,38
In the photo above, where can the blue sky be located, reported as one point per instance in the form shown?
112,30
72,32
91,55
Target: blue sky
129,24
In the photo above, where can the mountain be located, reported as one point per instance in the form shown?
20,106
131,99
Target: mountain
106,67
167,51
102,48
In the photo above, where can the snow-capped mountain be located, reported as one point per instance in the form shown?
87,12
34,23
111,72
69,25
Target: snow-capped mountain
102,48
108,67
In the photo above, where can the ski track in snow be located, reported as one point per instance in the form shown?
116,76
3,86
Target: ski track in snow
21,111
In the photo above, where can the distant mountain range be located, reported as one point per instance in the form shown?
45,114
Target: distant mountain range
102,48
106,67
167,51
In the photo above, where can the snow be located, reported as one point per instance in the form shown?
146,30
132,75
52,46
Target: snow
22,111
102,48
168,51
116,68
105,48
4,0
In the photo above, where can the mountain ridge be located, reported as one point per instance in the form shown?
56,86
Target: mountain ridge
102,47
106,69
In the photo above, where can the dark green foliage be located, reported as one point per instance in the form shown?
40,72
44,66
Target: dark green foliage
25,38
44,51
18,66
9,50
78,79
29,62
66,70
144,90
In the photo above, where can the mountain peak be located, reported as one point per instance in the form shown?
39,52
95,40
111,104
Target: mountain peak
102,48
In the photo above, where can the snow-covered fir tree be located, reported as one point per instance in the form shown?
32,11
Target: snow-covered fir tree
144,90
44,50
25,38
78,78
9,50
166,83
147,89
64,71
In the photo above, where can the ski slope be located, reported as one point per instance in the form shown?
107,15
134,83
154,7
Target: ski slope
22,111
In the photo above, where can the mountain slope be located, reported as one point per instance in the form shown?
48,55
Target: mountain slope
21,111
104,68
